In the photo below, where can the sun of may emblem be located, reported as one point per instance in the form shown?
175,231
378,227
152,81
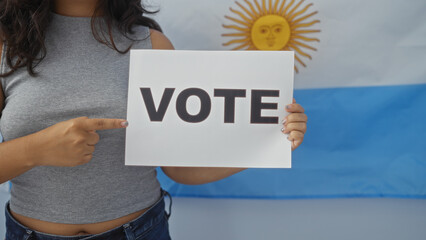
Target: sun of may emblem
280,25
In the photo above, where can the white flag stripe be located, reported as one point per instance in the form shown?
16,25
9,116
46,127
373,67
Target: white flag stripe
363,43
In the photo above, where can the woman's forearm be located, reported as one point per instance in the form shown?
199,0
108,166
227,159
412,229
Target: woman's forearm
199,175
16,157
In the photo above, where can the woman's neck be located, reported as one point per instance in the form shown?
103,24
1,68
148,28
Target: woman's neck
75,8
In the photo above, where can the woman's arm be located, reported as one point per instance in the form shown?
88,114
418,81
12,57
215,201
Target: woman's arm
14,159
295,126
199,175
69,143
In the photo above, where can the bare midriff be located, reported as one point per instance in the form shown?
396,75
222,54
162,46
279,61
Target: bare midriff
74,229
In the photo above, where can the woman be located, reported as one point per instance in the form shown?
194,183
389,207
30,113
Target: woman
64,71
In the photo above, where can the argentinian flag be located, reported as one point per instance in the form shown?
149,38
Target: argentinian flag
361,78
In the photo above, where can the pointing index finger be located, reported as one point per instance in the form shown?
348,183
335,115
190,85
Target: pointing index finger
104,124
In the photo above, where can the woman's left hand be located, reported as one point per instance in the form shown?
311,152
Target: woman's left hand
295,124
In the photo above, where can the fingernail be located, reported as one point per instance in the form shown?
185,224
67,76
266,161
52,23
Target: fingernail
282,129
288,107
283,122
124,124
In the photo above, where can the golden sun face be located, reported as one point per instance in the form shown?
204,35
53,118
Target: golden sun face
270,32
278,25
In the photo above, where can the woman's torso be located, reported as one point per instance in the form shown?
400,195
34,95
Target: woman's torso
78,77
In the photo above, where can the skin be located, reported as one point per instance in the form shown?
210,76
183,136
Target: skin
73,142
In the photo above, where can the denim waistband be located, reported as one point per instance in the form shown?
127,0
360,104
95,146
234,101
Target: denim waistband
148,219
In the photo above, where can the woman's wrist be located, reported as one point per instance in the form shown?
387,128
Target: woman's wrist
32,151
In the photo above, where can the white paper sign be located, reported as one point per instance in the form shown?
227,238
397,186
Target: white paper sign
209,108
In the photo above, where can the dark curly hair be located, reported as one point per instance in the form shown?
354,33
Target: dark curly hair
23,24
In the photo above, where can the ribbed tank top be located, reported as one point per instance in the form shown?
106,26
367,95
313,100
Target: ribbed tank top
78,77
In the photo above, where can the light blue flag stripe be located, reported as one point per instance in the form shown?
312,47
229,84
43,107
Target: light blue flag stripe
361,142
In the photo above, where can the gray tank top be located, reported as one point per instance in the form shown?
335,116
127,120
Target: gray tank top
78,77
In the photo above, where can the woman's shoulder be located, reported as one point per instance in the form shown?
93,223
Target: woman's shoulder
159,40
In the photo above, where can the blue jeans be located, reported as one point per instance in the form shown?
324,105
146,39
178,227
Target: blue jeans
151,225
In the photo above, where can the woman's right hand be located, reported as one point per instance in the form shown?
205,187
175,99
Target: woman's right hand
71,143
